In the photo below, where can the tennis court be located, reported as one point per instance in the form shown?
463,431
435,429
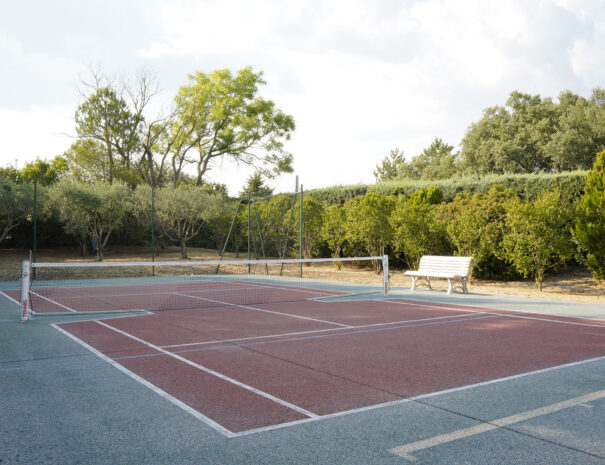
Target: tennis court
245,356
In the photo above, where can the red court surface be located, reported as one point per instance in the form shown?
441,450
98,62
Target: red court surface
247,368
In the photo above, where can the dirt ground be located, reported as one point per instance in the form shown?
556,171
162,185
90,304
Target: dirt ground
573,285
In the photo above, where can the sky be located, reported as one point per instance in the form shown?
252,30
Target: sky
359,77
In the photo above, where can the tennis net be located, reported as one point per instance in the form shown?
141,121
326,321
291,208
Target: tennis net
62,288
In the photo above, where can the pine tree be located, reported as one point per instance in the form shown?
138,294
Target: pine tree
590,220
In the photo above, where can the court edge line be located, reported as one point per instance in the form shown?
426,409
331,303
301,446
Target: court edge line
9,297
227,304
214,373
216,426
416,398
80,296
300,333
503,314
53,302
405,450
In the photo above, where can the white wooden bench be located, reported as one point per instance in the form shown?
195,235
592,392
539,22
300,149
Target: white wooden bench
451,268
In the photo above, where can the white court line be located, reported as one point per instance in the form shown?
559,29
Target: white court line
92,296
417,398
212,372
53,302
495,312
300,333
9,297
288,287
221,429
263,310
406,450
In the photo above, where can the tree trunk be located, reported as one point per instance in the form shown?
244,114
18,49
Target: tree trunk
183,248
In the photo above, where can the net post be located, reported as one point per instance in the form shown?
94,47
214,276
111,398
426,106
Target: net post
300,231
385,273
25,286
249,232
35,222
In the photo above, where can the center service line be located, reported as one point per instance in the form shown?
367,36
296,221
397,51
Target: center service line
406,450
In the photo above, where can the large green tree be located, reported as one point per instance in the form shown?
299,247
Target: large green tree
538,235
368,222
416,228
232,121
590,218
475,225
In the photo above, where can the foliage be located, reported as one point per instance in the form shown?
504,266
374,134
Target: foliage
255,186
275,218
312,223
368,222
390,167
105,117
417,230
17,203
334,229
531,134
232,120
475,225
45,172
590,218
95,210
180,211
538,235
437,161
527,186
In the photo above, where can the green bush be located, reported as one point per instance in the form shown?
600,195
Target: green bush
590,218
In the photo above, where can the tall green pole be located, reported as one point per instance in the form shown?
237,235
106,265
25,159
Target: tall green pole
35,220
248,232
153,229
300,233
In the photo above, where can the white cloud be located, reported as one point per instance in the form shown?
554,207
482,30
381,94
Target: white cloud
359,77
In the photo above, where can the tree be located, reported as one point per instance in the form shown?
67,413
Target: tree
180,211
231,120
511,139
334,229
106,118
16,200
475,225
86,161
45,172
255,186
437,161
95,210
390,167
538,237
416,229
581,131
590,218
312,221
368,222
274,216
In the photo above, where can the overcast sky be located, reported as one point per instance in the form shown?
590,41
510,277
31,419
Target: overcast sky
359,77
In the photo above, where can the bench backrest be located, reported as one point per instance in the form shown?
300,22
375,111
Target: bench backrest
441,264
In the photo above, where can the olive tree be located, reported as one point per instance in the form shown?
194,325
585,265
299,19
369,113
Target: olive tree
180,211
95,210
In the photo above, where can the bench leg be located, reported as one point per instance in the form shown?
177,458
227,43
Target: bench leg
450,285
414,278
428,283
464,285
